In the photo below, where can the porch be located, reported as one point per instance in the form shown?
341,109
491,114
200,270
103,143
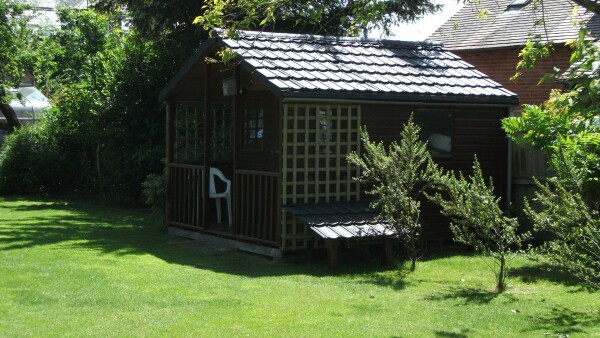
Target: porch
254,204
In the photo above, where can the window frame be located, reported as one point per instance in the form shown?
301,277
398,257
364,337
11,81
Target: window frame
258,118
418,120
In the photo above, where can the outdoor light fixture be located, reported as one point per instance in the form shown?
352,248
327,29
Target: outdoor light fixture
229,86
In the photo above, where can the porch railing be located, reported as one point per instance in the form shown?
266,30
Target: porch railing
256,200
184,208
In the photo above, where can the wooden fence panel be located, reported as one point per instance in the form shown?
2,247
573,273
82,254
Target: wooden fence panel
256,206
184,193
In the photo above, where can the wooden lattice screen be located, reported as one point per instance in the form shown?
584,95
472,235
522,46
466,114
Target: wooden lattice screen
316,141
189,132
189,128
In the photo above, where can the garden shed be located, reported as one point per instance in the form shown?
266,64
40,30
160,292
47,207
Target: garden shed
279,118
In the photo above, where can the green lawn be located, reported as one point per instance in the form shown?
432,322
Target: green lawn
75,269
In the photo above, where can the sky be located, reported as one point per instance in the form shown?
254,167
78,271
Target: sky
421,29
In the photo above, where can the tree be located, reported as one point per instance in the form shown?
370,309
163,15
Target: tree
591,5
13,36
397,177
576,230
477,219
567,128
326,17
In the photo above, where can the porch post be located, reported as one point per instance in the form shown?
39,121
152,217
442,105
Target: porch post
206,160
234,114
169,155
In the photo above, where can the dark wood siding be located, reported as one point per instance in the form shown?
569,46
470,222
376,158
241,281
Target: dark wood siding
476,131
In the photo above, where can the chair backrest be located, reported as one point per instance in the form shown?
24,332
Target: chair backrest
214,172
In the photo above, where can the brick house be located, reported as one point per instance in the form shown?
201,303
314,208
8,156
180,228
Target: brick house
493,44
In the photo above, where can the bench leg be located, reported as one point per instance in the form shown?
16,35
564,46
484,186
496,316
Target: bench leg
388,251
332,253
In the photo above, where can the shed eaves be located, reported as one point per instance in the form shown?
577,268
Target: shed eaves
347,68
512,28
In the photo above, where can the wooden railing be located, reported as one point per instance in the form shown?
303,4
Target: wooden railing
257,199
184,208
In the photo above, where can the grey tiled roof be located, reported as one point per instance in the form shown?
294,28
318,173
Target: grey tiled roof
340,219
347,68
512,28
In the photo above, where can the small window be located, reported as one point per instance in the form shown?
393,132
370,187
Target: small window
253,130
517,4
436,130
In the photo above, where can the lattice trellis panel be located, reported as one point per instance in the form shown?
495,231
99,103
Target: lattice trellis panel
189,132
316,140
189,128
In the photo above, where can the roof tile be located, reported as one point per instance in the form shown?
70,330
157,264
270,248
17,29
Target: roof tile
512,28
312,64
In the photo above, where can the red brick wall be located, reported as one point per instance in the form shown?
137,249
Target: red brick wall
500,65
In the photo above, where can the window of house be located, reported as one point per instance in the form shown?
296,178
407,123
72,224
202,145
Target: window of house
436,130
253,128
517,4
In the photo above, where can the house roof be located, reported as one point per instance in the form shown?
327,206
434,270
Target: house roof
312,66
513,27
340,220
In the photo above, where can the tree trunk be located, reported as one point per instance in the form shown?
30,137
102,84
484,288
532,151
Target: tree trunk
500,286
12,121
413,255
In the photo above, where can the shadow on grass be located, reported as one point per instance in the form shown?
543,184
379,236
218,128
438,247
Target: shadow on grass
544,272
29,223
445,334
394,279
563,322
468,295
49,222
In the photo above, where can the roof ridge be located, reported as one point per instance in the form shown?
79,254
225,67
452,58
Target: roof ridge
331,38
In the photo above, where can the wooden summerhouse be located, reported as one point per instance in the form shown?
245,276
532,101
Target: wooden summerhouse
279,119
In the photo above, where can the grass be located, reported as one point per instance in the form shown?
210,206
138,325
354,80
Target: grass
76,269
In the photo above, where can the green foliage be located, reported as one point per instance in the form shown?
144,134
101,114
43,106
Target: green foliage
13,52
31,164
348,18
575,227
567,125
532,52
167,22
103,84
155,192
67,55
567,128
397,177
477,219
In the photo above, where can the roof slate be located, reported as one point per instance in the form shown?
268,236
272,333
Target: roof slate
340,220
512,28
312,65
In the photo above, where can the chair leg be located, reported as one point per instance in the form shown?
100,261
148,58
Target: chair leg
218,202
229,209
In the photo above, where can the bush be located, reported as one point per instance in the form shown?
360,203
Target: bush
477,219
154,189
399,175
575,227
30,164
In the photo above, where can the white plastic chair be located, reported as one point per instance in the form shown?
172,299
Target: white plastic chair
219,195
